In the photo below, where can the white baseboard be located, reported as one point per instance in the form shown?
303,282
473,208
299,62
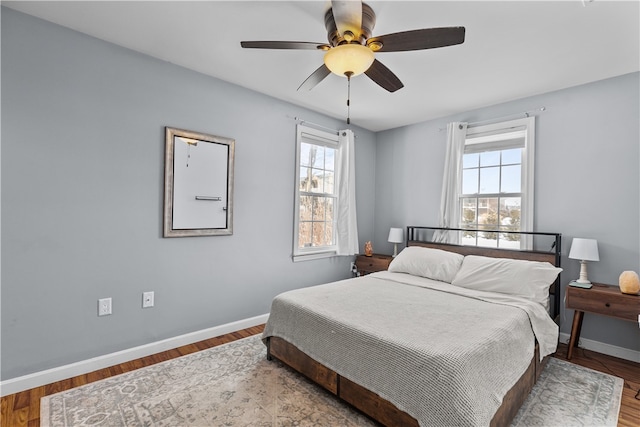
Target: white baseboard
37,379
600,347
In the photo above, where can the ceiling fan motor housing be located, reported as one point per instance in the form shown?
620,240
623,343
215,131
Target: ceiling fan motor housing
368,22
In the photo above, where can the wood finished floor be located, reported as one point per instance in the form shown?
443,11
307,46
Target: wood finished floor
23,409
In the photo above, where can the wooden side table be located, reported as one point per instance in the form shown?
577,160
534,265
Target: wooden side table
371,264
599,299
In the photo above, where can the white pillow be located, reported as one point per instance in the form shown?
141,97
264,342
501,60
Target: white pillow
433,264
525,279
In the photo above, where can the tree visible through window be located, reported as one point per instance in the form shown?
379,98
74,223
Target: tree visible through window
497,184
317,196
491,196
316,192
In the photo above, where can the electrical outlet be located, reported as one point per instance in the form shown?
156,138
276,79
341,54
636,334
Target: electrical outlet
147,299
104,306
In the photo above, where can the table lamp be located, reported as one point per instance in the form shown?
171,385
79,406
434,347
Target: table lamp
396,235
584,250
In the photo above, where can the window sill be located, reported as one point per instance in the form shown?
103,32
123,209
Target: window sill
312,256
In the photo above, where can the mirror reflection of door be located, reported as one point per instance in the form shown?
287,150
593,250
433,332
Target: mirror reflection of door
200,184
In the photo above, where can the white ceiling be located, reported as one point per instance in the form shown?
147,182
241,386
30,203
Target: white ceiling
512,49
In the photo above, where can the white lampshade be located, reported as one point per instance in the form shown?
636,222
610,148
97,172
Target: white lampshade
396,235
584,250
349,58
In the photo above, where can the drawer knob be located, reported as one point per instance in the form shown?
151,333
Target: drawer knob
607,305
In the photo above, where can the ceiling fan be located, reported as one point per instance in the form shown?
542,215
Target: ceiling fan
351,48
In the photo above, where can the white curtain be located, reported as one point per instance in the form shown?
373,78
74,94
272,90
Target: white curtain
347,224
449,201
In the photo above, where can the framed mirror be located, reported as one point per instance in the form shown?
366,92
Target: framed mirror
198,184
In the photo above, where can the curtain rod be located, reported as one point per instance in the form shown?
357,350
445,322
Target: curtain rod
524,114
304,122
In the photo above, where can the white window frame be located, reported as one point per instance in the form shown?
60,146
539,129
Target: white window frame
493,142
305,134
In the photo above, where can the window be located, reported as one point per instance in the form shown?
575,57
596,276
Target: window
496,188
316,193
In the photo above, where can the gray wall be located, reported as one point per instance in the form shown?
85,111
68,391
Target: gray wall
82,188
82,171
587,181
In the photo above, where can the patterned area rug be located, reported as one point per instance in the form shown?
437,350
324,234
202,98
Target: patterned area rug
234,385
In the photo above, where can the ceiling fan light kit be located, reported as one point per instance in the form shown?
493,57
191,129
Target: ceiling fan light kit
349,58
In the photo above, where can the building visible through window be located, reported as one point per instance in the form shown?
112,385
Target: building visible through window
316,193
497,184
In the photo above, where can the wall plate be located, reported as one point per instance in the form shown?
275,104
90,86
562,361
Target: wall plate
148,299
104,306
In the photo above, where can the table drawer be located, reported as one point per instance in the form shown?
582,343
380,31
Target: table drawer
370,264
605,300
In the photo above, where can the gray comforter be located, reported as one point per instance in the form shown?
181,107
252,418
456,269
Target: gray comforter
443,354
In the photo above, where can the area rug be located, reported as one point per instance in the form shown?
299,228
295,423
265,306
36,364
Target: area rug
234,385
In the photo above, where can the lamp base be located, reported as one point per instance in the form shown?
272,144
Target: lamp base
583,273
580,285
395,250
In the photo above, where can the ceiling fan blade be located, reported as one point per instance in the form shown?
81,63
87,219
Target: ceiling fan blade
384,76
348,16
316,77
427,38
284,45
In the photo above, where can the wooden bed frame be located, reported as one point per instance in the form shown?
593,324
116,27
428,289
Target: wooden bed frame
385,412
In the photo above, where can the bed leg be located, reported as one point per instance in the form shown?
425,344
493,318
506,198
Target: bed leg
269,357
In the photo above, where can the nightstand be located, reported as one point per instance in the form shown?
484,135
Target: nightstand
600,299
371,264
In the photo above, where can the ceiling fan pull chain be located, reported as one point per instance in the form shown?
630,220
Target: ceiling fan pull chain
348,74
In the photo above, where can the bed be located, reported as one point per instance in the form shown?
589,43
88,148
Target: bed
450,335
